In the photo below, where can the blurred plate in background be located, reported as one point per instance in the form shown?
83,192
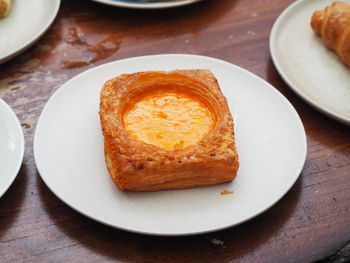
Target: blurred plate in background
11,146
24,25
147,4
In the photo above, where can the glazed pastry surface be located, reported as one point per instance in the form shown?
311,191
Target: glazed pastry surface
135,164
168,119
333,25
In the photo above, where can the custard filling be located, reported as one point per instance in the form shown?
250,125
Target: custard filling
168,119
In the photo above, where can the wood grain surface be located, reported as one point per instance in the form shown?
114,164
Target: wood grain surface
310,223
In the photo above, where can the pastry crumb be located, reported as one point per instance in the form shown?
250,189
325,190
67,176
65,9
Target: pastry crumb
226,192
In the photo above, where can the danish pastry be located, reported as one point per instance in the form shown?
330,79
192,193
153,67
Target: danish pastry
333,25
5,6
167,130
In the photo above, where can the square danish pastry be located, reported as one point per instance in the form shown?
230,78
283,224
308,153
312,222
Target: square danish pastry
167,130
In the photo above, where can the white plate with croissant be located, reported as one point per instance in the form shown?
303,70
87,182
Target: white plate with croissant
69,153
147,4
313,61
22,23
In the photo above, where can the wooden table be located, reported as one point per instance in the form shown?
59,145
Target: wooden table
310,223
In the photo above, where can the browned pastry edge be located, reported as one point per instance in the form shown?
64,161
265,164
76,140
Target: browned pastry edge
138,166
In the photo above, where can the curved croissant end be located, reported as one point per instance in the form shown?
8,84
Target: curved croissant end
333,25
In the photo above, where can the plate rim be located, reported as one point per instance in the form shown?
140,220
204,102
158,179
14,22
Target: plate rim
152,233
272,46
16,121
154,5
31,41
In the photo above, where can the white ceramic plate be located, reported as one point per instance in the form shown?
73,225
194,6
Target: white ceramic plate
68,150
11,146
26,22
315,73
147,5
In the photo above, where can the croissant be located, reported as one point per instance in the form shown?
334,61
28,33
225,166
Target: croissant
333,25
5,6
167,130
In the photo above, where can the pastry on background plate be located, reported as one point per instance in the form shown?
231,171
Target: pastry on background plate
5,6
167,130
333,25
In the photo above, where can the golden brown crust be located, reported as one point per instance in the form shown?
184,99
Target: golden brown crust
333,25
5,6
138,166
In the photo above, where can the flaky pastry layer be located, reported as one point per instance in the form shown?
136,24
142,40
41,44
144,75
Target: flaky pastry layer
138,166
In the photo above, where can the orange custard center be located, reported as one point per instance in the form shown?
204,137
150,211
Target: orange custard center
168,120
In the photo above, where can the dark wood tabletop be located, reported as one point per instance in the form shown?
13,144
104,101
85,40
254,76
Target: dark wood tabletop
311,222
